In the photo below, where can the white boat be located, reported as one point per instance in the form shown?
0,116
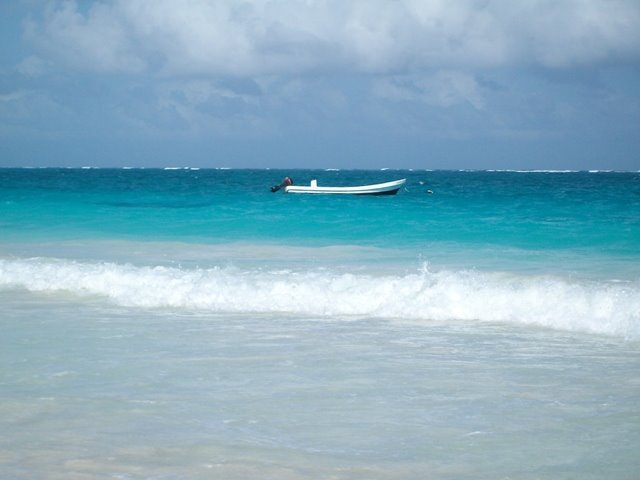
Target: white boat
387,188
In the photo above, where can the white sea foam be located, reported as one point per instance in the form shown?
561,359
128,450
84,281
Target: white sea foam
591,306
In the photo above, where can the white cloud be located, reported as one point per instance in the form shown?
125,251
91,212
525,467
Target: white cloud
574,32
267,37
101,40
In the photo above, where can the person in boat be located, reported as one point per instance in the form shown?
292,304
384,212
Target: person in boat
286,181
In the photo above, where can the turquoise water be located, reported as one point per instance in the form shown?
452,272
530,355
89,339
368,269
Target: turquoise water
595,211
188,323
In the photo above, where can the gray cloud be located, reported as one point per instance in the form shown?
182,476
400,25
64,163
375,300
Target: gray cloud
443,89
263,37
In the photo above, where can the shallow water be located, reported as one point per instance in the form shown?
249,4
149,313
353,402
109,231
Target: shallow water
105,392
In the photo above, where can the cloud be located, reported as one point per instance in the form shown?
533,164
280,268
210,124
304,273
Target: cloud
98,41
442,89
273,37
335,75
13,96
32,67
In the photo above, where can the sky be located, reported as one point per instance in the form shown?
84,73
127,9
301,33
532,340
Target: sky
433,84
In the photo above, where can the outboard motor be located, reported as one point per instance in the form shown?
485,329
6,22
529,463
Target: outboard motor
286,181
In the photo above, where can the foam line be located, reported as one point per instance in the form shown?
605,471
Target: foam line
604,307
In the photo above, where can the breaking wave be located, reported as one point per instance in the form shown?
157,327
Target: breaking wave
611,308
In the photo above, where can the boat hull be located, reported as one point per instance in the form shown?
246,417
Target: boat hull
388,188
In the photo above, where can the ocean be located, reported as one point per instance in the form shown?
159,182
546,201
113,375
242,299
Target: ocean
189,324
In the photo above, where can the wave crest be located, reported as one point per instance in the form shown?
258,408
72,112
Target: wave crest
611,308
